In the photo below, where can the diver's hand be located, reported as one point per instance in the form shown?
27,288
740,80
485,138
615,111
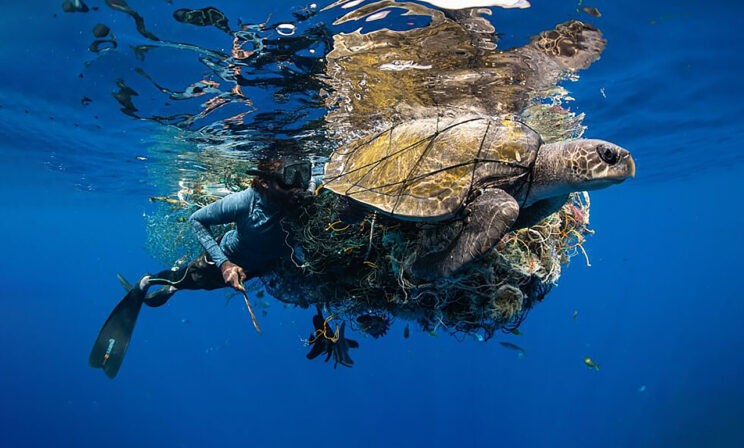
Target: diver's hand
233,274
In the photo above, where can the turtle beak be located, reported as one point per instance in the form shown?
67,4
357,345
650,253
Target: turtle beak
631,165
624,168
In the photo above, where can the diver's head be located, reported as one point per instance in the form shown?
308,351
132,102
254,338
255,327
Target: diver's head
286,173
284,180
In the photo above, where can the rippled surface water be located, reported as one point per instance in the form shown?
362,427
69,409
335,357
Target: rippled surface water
659,309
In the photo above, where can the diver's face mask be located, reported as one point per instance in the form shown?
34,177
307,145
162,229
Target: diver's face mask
293,175
297,175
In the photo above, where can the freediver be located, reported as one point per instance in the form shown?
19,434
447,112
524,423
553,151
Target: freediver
245,252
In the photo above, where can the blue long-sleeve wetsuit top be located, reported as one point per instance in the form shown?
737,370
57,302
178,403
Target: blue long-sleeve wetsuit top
257,237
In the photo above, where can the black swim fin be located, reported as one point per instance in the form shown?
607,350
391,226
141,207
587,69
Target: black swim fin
124,282
111,346
153,298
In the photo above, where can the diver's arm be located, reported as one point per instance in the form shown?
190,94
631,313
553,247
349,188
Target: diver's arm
224,211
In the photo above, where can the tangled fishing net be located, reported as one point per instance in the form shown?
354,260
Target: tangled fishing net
362,272
365,269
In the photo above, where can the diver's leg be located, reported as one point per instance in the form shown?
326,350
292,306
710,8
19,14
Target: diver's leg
201,273
110,347
168,278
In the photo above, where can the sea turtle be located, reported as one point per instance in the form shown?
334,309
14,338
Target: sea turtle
495,172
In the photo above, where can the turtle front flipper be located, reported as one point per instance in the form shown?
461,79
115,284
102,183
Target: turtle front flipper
490,216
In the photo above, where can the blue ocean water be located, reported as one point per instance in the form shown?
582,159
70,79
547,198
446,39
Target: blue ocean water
659,310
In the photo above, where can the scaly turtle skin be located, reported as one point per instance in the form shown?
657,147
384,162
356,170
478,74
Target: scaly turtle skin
497,172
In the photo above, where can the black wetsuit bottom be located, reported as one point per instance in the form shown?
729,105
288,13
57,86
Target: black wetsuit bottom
201,273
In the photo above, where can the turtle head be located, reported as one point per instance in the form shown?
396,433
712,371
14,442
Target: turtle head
594,164
578,165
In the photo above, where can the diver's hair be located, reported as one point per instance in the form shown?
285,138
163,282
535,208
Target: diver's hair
267,166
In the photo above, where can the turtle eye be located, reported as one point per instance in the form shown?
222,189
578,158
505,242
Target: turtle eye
607,154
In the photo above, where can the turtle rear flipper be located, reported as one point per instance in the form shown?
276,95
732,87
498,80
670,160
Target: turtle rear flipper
574,45
490,216
568,48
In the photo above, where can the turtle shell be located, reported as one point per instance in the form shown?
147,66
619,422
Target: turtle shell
425,169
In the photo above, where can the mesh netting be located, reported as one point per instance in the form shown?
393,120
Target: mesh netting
365,268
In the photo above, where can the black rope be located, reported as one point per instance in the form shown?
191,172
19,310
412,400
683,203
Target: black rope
165,281
477,157
407,180
531,176
410,179
405,148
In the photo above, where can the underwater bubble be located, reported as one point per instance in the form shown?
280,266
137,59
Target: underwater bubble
286,29
74,6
